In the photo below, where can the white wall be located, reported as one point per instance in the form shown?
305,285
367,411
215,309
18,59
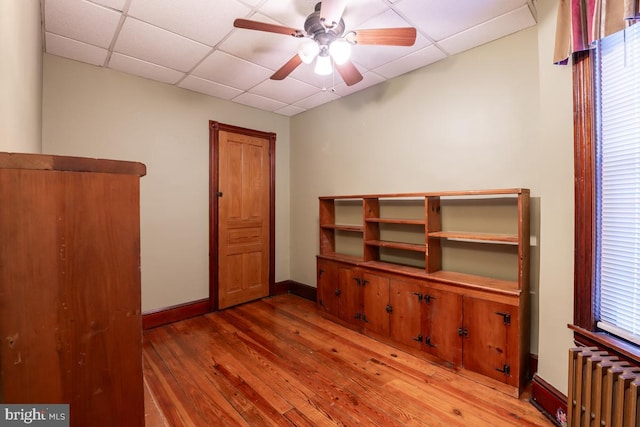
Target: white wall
95,112
557,210
497,116
20,76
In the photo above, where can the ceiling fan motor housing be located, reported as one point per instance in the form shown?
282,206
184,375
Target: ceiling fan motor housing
320,31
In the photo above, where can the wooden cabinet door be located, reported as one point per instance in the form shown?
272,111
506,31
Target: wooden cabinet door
327,287
442,320
486,346
375,301
405,317
339,291
350,295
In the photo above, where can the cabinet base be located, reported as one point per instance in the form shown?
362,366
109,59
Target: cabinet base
478,378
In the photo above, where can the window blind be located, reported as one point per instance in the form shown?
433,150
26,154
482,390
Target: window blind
618,184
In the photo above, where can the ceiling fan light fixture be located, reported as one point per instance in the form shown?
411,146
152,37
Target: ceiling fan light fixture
323,65
308,50
340,51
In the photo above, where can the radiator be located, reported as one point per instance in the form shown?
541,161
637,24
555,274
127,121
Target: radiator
603,390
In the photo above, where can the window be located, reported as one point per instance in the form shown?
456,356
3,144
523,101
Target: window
616,302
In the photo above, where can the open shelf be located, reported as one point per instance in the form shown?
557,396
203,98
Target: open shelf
476,237
396,221
397,245
460,231
344,227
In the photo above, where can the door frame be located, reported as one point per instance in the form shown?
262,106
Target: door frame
214,129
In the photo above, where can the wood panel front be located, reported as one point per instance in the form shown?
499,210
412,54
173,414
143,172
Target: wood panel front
70,294
487,347
350,288
376,299
405,319
441,322
29,214
327,286
101,330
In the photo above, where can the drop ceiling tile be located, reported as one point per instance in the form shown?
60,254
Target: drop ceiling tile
387,19
81,20
316,99
258,101
205,21
144,69
231,71
413,61
290,110
140,40
368,79
289,14
288,91
73,49
441,19
374,56
112,4
359,11
266,49
208,87
501,26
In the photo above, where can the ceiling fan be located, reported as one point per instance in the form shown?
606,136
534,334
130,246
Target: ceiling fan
327,41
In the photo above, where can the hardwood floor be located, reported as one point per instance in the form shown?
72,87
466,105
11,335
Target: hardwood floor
278,362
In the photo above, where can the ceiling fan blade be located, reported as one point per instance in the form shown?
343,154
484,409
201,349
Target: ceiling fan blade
269,28
331,11
287,68
349,73
405,36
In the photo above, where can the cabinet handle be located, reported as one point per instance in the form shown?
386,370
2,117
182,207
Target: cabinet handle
337,292
428,342
364,282
418,338
506,369
419,295
463,332
320,272
357,279
389,308
364,318
506,317
428,298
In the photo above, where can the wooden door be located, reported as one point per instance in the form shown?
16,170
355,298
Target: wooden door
442,320
405,316
375,302
486,348
244,214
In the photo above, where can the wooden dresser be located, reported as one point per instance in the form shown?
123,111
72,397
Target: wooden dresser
70,316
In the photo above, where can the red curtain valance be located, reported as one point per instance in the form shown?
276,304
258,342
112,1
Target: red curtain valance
582,22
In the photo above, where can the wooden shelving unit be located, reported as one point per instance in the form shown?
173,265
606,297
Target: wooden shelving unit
415,247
